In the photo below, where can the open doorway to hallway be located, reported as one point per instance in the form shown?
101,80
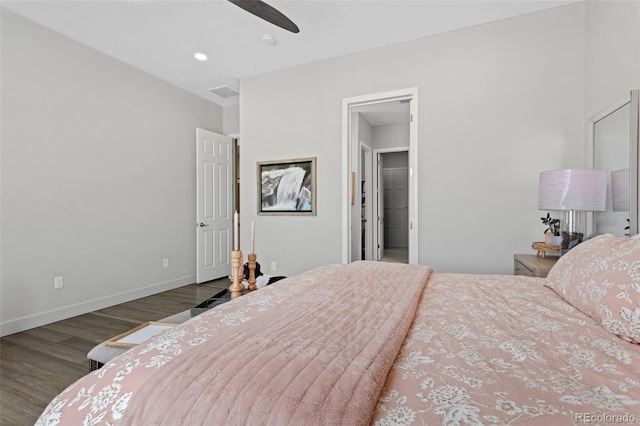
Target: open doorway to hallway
373,125
382,130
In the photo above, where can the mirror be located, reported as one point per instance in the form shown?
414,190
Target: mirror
613,141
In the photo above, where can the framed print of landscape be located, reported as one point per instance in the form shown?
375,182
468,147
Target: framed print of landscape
287,187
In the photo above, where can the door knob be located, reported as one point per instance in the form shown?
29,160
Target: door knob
202,225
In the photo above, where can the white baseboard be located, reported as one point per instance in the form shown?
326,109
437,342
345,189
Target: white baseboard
36,320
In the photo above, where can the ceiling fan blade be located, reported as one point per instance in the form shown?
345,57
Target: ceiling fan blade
268,13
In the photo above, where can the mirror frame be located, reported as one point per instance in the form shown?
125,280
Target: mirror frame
632,99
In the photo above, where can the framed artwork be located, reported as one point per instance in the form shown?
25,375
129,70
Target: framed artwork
287,187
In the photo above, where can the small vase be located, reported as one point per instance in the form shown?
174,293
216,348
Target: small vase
547,237
556,240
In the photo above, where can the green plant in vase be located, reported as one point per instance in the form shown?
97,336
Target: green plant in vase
553,226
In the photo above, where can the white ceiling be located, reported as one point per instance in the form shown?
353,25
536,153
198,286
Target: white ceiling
160,37
379,114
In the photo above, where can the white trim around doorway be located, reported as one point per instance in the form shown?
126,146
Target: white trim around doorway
349,164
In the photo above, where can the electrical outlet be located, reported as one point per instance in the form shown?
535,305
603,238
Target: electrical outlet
274,266
58,283
165,263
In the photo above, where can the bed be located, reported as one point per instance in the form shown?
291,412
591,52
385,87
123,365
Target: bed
391,344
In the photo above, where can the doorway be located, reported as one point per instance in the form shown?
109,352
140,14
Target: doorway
214,205
372,126
393,206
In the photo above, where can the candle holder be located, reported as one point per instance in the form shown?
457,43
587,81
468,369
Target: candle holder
252,272
236,288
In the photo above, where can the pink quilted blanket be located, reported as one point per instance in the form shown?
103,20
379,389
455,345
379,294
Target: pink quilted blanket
288,354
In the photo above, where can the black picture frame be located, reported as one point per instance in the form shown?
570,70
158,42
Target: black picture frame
287,187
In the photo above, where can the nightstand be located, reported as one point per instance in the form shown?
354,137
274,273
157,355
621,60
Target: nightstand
532,265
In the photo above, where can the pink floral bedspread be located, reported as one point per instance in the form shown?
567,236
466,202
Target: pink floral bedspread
498,350
482,350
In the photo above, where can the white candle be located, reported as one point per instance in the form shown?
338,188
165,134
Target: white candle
253,237
236,232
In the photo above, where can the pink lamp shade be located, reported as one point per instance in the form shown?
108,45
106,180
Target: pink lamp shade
573,189
620,190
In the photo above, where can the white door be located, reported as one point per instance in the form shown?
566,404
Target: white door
214,204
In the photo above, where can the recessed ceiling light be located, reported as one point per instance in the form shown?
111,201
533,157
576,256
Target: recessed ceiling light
200,56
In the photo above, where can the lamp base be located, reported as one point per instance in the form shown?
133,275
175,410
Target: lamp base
572,229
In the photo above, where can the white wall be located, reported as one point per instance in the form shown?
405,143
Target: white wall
231,119
499,103
612,52
612,58
98,178
391,136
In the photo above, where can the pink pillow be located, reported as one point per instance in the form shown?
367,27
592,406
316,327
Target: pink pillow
601,277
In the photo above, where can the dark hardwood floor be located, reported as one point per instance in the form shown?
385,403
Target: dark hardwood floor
37,364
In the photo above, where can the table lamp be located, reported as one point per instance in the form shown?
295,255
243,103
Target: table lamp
620,190
573,192
620,193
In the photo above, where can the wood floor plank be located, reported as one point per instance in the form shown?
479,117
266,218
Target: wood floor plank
37,364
